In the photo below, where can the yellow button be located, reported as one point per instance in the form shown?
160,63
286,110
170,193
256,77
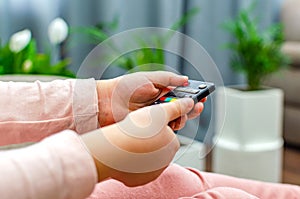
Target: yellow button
172,100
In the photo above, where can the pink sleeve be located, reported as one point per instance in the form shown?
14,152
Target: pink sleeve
32,111
58,167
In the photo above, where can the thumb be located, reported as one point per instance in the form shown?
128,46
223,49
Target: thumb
178,108
165,78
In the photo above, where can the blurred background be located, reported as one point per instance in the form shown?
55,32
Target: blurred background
204,25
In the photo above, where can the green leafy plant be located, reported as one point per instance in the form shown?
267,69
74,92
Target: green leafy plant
139,59
255,54
20,55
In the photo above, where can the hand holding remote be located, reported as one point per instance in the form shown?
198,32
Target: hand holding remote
197,90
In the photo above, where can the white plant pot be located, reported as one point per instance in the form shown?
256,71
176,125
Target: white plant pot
249,140
258,162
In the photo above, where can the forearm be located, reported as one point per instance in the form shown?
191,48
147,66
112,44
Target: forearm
32,111
58,167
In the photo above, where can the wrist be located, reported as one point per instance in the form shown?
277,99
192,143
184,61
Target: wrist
89,140
104,93
102,170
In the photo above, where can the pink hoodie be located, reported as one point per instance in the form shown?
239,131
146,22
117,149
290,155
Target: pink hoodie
60,167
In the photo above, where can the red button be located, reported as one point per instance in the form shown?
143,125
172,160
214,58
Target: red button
162,98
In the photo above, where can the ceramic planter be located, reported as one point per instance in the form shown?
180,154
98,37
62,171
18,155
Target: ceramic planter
249,140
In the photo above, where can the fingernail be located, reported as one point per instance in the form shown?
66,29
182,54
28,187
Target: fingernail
186,78
185,84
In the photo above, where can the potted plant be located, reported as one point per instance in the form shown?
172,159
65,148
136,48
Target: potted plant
251,132
141,59
21,61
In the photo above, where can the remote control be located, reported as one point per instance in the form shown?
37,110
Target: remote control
197,90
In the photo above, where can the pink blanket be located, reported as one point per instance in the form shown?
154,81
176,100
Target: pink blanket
179,182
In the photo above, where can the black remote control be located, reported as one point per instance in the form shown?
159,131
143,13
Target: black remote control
197,90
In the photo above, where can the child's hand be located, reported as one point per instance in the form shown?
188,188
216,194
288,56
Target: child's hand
136,150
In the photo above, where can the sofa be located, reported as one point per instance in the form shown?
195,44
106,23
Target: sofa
289,79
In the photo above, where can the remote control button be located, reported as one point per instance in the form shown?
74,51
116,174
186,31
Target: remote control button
202,86
172,100
180,94
190,96
180,89
162,98
187,90
194,91
168,99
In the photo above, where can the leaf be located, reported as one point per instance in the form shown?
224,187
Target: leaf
255,54
185,18
93,34
180,23
2,69
102,30
108,26
42,64
60,66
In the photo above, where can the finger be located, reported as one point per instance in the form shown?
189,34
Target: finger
172,125
196,111
203,100
177,108
165,78
180,122
165,90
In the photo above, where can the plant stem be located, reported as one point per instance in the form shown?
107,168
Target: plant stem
254,81
17,63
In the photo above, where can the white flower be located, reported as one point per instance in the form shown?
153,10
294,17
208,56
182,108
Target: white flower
57,31
27,65
19,40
